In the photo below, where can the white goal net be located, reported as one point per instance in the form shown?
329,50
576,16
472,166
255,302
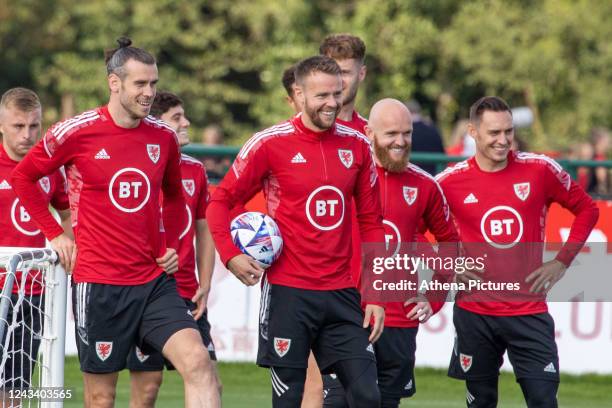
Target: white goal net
32,327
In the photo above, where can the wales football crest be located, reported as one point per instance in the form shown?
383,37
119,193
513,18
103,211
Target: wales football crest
346,157
410,194
522,190
153,151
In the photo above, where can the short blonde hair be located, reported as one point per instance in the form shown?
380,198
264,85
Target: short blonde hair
23,99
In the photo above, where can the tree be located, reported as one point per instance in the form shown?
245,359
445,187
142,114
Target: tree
531,53
225,58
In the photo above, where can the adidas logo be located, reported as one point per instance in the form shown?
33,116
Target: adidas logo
469,397
408,386
5,185
298,158
370,348
263,249
470,199
550,368
102,155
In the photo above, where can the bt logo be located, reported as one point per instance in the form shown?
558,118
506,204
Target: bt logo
325,208
502,227
129,189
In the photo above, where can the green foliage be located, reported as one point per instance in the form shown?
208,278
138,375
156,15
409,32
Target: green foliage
225,58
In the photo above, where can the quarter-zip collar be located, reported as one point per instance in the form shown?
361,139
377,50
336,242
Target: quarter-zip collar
309,134
474,164
106,113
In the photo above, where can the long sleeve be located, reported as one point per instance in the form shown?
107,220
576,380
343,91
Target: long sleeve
369,212
367,200
45,158
174,202
241,182
59,200
437,220
571,196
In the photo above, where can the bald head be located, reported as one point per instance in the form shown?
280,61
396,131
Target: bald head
390,129
388,110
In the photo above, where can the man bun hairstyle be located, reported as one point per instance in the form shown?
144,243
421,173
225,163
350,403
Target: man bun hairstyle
487,103
318,63
116,58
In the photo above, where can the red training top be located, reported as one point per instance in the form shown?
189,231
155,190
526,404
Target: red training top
309,180
195,191
411,200
18,229
502,214
115,176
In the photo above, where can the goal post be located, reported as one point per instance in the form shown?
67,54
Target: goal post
33,282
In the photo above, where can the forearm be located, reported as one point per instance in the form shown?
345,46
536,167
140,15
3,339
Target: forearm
66,222
586,218
205,254
218,215
571,196
173,216
23,181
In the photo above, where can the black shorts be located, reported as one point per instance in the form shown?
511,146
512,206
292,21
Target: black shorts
481,341
155,361
24,342
395,357
293,321
110,319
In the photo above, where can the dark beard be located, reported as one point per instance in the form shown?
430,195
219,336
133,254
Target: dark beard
387,162
134,115
314,117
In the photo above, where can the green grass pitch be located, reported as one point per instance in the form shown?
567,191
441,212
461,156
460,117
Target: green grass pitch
247,386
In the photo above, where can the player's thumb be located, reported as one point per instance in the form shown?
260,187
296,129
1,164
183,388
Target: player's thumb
367,318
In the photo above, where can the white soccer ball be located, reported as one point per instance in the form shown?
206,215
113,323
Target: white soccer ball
258,236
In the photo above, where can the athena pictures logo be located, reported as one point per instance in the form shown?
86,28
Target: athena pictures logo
502,227
129,189
325,208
